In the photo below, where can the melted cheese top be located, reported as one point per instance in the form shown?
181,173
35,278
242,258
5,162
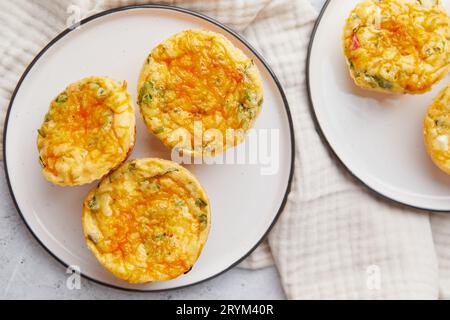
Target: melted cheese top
88,130
147,221
199,77
437,130
397,46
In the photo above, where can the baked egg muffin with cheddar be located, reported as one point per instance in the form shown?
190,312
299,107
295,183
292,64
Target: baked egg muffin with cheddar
147,221
437,130
88,131
397,46
199,79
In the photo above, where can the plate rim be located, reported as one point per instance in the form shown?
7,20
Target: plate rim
328,145
187,12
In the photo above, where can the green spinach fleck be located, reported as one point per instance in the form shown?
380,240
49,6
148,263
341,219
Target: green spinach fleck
199,202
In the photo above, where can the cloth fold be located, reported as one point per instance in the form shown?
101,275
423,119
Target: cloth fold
335,239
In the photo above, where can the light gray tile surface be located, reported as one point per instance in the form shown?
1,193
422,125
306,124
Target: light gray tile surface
27,271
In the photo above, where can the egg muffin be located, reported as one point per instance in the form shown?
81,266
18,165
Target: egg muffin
437,130
88,131
147,221
397,46
198,84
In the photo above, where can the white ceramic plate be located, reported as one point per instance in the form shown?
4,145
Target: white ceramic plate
244,203
378,137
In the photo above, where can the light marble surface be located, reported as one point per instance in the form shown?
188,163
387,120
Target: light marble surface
27,271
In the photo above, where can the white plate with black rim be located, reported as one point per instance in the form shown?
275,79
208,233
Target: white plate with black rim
377,137
245,198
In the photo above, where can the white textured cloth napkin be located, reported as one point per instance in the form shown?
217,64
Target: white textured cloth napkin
334,238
